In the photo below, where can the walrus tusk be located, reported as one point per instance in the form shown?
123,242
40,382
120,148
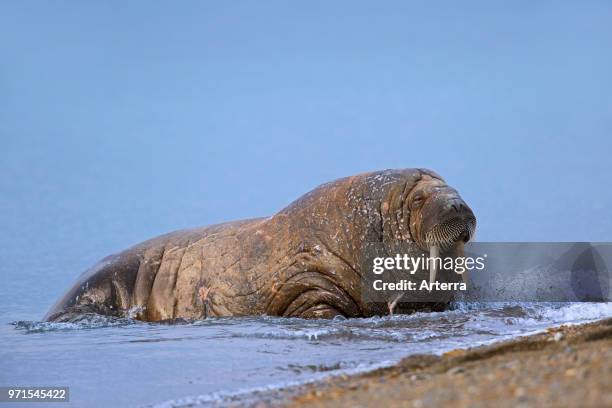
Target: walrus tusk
461,254
391,305
434,254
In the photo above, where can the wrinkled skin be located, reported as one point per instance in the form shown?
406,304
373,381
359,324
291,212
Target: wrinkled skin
305,261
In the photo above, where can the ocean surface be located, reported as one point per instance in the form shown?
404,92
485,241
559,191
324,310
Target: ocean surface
126,363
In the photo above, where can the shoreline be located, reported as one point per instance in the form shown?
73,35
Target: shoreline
568,365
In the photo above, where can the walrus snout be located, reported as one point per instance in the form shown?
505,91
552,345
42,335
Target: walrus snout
447,220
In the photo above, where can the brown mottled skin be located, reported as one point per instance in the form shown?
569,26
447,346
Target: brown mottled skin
304,261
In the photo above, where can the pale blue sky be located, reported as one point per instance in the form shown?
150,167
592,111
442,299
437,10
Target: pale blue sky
122,120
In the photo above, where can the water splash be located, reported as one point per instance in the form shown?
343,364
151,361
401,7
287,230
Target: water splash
85,322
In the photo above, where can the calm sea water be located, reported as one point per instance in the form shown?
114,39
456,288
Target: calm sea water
54,225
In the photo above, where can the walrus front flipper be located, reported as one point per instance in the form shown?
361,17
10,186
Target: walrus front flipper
104,289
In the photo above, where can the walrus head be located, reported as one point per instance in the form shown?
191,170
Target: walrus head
439,218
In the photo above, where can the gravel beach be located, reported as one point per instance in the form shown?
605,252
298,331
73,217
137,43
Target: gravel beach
569,366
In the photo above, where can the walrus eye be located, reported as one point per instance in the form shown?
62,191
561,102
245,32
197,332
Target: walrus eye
417,201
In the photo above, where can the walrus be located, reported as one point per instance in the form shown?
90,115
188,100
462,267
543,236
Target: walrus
305,261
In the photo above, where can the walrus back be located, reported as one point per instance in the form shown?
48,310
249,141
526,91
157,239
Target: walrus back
143,281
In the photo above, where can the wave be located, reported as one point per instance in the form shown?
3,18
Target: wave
417,327
84,322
